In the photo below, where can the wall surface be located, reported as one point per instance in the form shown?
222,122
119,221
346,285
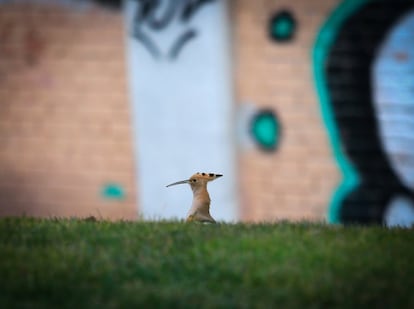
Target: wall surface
296,180
182,98
64,120
316,116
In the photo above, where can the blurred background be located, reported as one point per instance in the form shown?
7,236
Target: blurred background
305,107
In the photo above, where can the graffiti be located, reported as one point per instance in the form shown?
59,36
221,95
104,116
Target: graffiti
156,15
346,91
113,191
282,27
258,128
265,129
393,76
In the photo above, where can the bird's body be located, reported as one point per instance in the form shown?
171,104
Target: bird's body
200,208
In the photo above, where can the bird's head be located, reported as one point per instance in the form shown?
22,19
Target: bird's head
197,180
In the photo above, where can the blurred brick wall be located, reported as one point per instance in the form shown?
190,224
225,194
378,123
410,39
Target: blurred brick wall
298,179
64,121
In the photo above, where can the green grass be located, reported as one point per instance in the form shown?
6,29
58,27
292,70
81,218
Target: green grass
82,264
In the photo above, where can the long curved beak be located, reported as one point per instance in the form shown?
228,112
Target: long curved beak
178,183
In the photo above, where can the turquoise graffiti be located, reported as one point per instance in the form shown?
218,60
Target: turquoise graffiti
113,191
282,26
323,44
265,130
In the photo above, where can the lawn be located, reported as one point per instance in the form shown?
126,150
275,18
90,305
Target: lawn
87,264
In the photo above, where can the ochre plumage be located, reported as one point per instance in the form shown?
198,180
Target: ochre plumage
200,208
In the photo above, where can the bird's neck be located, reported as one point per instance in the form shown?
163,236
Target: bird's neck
201,192
201,196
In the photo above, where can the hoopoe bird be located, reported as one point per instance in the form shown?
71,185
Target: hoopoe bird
200,208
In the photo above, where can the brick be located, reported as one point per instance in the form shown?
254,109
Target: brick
66,130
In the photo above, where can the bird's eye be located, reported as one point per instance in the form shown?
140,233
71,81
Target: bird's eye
194,180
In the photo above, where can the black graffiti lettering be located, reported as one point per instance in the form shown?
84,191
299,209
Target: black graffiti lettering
180,42
165,17
148,43
152,14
